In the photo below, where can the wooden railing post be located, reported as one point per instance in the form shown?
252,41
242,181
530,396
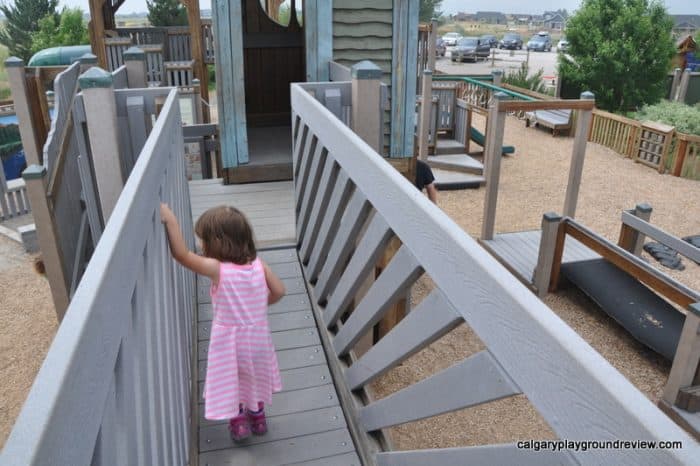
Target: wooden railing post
36,179
577,157
87,61
20,94
630,239
683,87
101,116
681,152
492,159
685,369
548,241
366,103
425,110
674,85
135,61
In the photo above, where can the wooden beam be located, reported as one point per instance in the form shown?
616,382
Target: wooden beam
684,371
578,155
520,105
201,71
492,159
96,27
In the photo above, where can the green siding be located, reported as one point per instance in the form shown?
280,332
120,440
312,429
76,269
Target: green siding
363,30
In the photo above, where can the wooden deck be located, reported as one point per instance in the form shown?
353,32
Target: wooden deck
306,423
268,206
518,252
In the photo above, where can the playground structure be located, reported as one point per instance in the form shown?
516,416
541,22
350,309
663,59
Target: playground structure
128,343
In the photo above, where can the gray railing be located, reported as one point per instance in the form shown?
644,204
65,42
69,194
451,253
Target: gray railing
115,387
350,203
13,197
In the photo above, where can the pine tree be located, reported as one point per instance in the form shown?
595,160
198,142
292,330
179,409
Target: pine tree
166,13
429,9
22,19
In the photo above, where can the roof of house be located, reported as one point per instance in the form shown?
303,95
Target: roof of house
490,14
683,20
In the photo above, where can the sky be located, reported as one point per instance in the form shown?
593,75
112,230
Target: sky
450,6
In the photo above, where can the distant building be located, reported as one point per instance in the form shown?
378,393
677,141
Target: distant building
684,25
461,16
521,20
490,17
555,20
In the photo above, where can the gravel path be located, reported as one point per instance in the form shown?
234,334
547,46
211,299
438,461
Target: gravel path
28,327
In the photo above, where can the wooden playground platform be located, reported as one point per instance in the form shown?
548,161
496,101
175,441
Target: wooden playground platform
518,252
306,422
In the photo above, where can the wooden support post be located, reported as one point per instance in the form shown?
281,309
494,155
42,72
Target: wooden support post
197,103
492,159
684,371
673,96
367,113
96,27
201,72
398,311
432,44
630,239
101,117
36,179
548,240
29,132
681,152
135,61
497,76
577,157
493,58
683,87
425,110
87,61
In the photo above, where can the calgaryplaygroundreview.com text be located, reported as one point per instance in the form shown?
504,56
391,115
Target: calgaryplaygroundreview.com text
585,445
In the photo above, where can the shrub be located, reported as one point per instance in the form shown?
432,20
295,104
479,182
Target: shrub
520,78
685,118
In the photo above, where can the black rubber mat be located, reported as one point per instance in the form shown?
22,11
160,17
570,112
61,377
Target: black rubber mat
649,319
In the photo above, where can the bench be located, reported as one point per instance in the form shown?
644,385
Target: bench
556,120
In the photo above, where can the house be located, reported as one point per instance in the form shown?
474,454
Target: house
554,20
521,19
266,56
490,17
684,25
461,16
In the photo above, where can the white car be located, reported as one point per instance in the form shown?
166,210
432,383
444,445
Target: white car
563,45
451,38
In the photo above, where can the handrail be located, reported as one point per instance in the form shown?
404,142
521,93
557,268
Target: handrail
115,387
492,87
342,188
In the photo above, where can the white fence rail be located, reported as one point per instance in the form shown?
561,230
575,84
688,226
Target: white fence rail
115,387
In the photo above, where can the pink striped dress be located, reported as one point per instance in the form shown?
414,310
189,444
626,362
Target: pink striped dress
242,364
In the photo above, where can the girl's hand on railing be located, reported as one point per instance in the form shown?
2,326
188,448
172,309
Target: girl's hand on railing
166,215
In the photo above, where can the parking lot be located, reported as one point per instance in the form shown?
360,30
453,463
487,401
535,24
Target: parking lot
505,60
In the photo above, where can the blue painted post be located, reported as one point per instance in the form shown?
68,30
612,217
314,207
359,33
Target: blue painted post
228,30
403,80
318,30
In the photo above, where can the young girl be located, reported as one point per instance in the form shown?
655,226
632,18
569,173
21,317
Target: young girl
242,370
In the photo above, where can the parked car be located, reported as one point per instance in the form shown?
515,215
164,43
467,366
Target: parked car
562,45
511,41
490,39
440,47
471,48
540,42
451,38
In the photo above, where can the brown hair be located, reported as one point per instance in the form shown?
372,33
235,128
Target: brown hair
226,235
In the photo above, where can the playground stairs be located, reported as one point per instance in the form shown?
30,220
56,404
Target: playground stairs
453,169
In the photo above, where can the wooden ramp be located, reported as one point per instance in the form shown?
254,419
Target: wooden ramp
305,421
518,252
268,206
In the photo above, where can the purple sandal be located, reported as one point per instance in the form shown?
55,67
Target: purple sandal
256,420
239,428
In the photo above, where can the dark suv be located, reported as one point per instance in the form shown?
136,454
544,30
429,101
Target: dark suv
471,48
511,41
489,39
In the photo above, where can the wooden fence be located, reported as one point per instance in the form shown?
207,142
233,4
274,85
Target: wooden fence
653,144
174,39
350,203
116,386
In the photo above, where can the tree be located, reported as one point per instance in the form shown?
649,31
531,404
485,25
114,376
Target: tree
620,50
22,19
68,30
166,13
429,9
